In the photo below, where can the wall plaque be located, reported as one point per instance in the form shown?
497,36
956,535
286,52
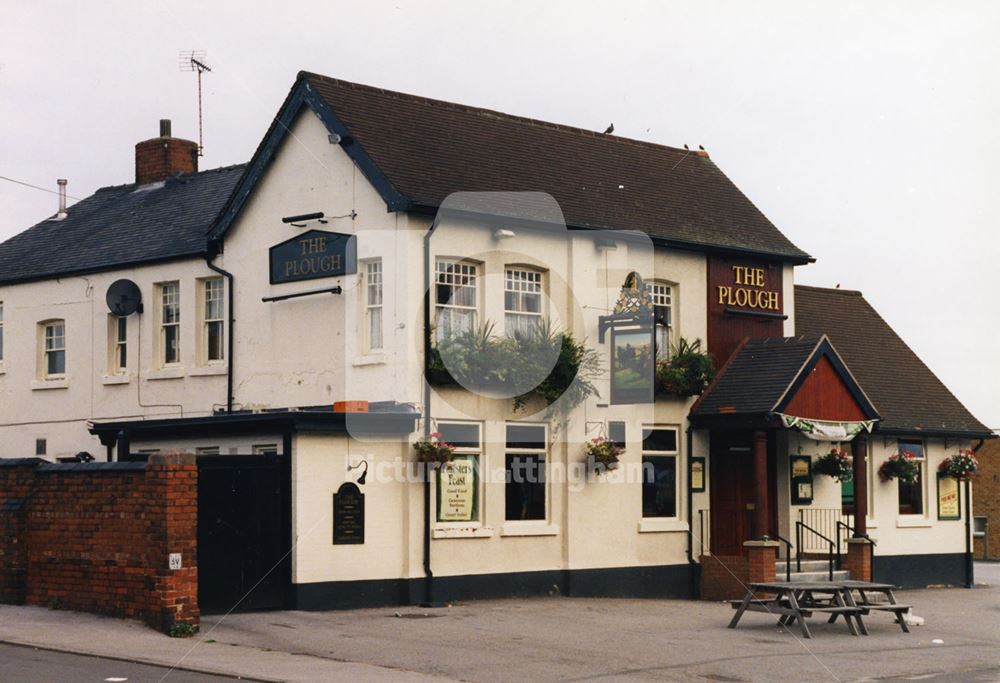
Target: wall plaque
801,479
457,490
697,475
312,255
348,515
949,498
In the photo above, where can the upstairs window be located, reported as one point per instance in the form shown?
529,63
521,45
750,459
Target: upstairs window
213,323
54,349
661,295
118,346
911,496
373,303
522,300
170,323
456,298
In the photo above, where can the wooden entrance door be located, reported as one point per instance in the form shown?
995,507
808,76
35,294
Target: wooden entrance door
732,491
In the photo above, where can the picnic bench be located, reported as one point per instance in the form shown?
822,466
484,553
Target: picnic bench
795,601
865,589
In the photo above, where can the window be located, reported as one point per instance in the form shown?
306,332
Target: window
659,472
458,481
41,446
118,344
1,332
170,323
265,449
911,496
373,303
213,325
522,300
53,348
661,296
525,472
206,450
456,298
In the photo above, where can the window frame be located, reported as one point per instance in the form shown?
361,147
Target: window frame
264,449
117,345
921,483
650,453
478,454
663,354
162,324
520,294
476,276
44,350
374,276
539,453
206,286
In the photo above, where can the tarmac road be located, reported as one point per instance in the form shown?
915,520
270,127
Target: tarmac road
31,665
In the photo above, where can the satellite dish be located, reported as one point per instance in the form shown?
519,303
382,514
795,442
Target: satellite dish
124,298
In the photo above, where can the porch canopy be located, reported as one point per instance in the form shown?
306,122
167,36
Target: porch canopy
798,383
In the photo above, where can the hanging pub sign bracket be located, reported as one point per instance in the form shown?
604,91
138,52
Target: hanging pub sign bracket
633,308
296,295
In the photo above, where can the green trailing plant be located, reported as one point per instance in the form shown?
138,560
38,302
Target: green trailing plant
179,630
687,372
962,466
836,464
544,363
902,466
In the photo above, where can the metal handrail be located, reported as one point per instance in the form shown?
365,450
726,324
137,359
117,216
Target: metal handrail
788,556
799,526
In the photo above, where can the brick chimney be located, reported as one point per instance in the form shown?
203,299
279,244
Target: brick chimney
159,158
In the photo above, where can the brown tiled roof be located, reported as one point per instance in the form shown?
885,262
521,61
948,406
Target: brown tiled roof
908,395
428,149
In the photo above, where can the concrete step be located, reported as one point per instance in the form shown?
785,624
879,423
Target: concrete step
841,575
807,566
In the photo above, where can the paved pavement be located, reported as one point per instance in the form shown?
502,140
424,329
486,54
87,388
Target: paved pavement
555,639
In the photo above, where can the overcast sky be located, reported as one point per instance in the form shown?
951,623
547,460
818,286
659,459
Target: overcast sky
867,132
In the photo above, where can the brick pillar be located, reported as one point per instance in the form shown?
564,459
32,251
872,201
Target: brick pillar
859,452
173,479
761,558
859,559
17,477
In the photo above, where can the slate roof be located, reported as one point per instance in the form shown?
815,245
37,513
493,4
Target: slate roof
121,226
910,398
757,376
418,151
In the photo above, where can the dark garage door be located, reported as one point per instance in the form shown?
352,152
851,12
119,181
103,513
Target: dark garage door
244,533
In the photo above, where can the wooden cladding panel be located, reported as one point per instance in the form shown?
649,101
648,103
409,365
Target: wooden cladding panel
727,330
825,396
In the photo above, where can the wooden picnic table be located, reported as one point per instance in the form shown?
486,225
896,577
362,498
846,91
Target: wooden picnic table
865,589
797,600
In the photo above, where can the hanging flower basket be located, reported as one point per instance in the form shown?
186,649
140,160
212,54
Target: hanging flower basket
433,449
836,464
962,466
902,466
604,452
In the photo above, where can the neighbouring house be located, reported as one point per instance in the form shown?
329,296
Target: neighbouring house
986,503
389,267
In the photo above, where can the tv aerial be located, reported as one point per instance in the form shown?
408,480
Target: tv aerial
124,298
194,60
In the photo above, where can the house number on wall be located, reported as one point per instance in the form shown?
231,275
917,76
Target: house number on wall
175,561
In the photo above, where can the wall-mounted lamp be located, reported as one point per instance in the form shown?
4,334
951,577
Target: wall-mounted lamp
299,221
503,234
361,479
605,243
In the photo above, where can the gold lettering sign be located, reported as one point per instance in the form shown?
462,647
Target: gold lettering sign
800,467
457,491
948,498
747,290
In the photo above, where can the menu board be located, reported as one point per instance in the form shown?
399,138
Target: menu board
457,484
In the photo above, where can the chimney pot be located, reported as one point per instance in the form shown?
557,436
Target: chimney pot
159,158
61,182
164,128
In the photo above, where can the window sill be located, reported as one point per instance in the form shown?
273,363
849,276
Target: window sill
913,522
538,528
370,359
43,384
165,373
208,370
116,379
462,532
3,368
653,525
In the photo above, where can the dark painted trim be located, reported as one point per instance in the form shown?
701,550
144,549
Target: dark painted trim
920,571
663,581
923,433
270,422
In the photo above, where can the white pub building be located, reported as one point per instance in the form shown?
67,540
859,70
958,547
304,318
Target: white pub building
387,268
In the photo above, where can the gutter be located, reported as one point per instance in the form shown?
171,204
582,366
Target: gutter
231,321
970,573
690,518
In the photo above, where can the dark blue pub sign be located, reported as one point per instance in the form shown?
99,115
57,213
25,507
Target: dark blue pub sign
312,255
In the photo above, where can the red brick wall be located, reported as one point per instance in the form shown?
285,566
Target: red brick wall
986,499
160,158
723,577
859,560
97,538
